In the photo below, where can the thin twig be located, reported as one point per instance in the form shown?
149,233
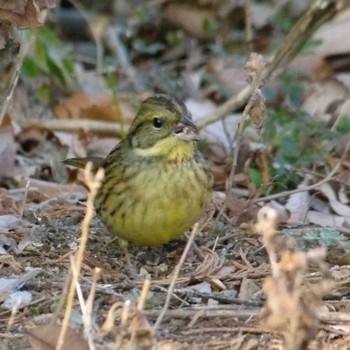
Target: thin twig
254,69
208,312
175,276
298,190
318,13
310,187
248,24
233,313
25,198
222,330
165,290
225,300
83,125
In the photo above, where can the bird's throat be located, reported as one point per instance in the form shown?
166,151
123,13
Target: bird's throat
170,148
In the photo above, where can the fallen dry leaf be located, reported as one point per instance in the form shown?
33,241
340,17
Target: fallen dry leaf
9,284
248,289
326,220
298,205
17,299
75,143
321,96
42,190
215,135
101,147
338,207
37,139
343,260
8,204
25,14
9,221
45,338
97,107
230,75
262,13
312,65
191,19
333,36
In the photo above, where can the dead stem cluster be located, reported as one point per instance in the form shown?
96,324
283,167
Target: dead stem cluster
292,303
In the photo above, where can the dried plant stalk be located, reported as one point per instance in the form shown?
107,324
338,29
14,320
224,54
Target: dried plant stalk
93,182
292,303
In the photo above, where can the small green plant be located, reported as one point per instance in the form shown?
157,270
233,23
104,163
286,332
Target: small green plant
293,139
343,126
50,61
312,237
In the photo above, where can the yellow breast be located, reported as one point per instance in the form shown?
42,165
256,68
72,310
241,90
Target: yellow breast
157,203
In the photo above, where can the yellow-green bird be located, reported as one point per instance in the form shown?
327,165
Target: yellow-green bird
157,183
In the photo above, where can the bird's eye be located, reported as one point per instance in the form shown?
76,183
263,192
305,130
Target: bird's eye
157,122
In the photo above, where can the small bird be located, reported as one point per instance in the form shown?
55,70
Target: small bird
157,183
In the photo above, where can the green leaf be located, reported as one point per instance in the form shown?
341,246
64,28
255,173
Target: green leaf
256,177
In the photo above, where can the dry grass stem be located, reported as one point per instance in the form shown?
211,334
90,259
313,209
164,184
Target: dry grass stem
134,330
10,322
143,297
118,343
255,109
175,276
14,311
91,297
93,182
86,315
254,68
125,313
108,325
62,298
25,198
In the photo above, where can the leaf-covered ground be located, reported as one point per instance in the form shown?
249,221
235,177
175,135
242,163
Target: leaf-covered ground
269,263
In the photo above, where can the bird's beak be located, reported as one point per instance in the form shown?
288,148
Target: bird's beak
186,130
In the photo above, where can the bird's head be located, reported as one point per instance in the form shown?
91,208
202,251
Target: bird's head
163,127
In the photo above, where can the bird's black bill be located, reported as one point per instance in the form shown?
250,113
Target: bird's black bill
186,130
187,121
